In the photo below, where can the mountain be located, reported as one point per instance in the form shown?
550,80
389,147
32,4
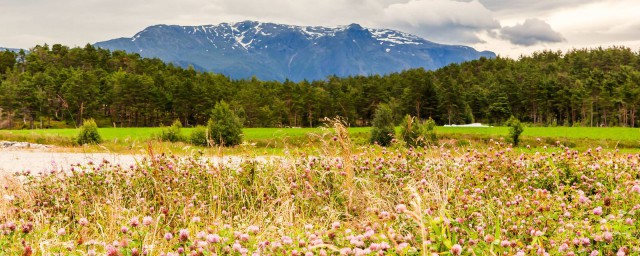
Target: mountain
276,51
2,49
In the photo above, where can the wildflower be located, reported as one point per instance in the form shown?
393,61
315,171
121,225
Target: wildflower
213,238
489,238
563,247
27,250
168,236
124,229
112,251
597,211
621,252
253,229
134,222
286,240
147,220
594,253
184,235
83,222
335,225
456,249
583,199
27,227
635,188
236,247
201,235
608,236
401,208
345,251
61,232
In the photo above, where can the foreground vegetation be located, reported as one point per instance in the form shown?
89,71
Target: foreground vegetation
340,200
57,86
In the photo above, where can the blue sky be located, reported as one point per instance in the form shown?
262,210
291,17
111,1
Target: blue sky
507,27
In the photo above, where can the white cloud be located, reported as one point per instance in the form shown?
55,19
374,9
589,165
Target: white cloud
77,22
531,32
442,20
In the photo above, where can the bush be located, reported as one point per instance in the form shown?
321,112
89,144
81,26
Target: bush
88,133
172,133
224,127
515,129
382,131
410,131
416,133
430,128
199,136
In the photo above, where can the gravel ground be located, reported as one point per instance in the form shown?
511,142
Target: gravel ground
36,161
44,160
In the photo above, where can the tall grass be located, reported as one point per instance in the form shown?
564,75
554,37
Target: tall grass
394,201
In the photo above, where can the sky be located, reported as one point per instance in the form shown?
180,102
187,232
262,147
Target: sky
510,28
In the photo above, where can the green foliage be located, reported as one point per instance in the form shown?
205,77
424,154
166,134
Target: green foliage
199,136
416,133
430,130
583,87
410,131
172,133
224,127
89,133
515,129
382,131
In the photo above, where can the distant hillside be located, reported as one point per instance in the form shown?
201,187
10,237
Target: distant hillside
277,52
2,49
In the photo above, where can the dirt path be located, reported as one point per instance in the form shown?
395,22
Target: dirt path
36,161
44,160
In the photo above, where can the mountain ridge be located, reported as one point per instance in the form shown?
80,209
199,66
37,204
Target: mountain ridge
2,49
273,51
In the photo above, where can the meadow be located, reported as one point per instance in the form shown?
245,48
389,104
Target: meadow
495,200
273,140
328,192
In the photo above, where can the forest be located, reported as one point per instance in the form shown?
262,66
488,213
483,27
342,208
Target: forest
58,85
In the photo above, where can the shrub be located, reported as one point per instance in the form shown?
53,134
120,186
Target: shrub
416,133
430,128
382,131
410,131
224,127
199,136
88,133
515,129
172,133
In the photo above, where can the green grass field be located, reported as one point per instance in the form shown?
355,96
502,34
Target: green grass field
580,137
608,133
596,133
149,132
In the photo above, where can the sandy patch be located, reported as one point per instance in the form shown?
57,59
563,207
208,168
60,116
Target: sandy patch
12,161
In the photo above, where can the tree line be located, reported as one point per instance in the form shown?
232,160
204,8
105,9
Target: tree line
58,84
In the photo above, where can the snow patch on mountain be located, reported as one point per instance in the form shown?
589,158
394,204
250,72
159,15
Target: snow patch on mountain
279,51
